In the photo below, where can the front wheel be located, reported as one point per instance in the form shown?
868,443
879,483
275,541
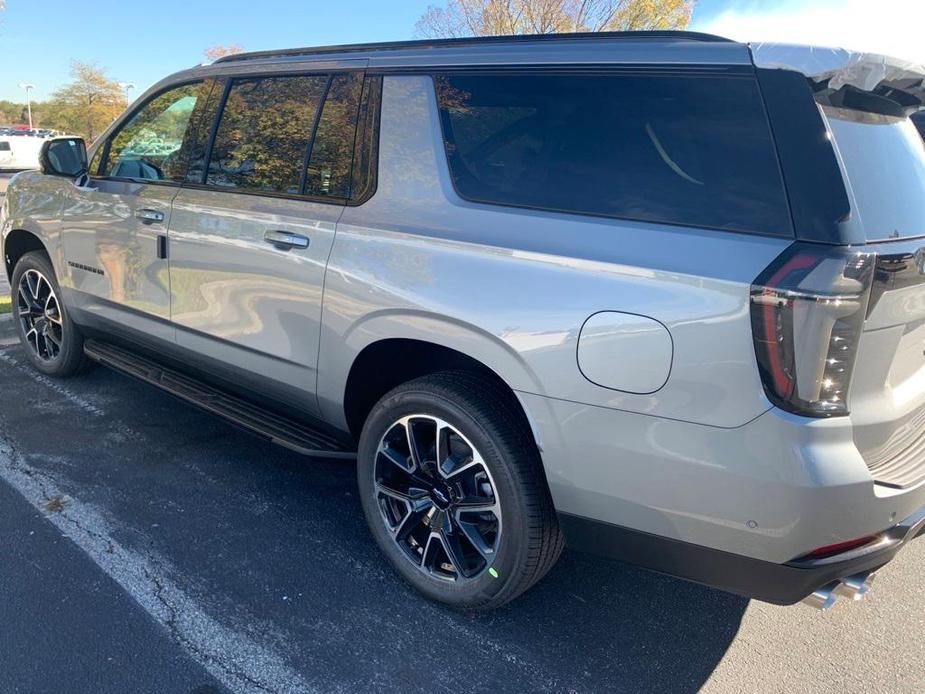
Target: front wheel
454,491
51,340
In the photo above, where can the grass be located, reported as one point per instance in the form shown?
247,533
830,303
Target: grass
6,304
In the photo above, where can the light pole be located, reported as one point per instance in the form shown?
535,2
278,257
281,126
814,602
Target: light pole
28,88
127,87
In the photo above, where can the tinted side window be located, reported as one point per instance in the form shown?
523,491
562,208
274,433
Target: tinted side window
332,151
148,146
97,161
366,151
683,149
196,144
264,133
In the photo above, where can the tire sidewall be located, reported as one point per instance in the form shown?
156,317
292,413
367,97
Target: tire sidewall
71,344
508,558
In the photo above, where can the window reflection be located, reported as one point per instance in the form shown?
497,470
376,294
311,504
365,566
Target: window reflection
263,135
332,152
149,145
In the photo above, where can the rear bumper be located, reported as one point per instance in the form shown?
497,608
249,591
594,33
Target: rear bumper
782,584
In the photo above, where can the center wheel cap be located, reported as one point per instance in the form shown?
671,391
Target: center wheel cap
441,496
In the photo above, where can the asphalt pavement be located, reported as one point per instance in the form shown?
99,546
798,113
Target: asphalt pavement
146,546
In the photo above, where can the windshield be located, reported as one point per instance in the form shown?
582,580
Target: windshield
884,160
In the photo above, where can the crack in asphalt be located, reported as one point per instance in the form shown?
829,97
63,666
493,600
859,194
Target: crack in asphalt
233,658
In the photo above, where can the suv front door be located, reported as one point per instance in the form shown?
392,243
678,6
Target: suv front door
114,230
251,230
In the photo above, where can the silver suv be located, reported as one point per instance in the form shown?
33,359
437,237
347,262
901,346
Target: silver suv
658,296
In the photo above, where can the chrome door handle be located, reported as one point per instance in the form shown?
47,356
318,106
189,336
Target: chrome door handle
149,216
284,240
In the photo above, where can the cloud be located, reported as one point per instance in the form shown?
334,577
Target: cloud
891,27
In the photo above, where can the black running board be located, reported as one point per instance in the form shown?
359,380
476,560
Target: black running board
285,431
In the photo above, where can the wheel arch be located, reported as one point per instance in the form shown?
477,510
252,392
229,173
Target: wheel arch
384,353
17,243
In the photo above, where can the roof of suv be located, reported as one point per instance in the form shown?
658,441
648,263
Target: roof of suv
643,47
604,37
862,70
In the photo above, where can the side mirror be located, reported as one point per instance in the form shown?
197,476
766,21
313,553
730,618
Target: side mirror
64,156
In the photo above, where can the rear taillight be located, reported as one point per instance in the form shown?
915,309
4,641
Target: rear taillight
840,547
808,311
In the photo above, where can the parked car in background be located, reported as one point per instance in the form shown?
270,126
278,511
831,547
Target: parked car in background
657,295
19,153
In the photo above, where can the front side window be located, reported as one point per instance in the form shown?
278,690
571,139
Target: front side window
671,148
264,133
149,145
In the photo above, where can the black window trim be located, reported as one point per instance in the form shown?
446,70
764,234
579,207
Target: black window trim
742,71
125,120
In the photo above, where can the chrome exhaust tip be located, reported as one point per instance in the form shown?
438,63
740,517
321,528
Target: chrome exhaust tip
856,587
822,599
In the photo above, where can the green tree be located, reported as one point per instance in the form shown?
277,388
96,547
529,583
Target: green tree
87,104
459,18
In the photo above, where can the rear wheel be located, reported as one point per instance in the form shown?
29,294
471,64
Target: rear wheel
51,340
454,492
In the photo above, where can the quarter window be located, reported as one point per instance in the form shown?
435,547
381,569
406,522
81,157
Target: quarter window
149,146
332,152
681,149
264,133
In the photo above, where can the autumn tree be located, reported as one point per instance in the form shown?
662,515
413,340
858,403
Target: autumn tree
459,18
216,52
87,104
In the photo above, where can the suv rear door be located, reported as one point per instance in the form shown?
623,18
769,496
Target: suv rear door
252,228
883,160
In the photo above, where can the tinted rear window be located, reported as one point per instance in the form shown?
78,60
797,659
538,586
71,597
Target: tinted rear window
264,133
679,149
884,160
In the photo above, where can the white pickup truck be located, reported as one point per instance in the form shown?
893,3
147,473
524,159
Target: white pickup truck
20,152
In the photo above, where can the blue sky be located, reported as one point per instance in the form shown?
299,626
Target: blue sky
140,42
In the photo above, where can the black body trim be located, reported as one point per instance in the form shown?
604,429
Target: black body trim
309,438
231,378
812,177
781,584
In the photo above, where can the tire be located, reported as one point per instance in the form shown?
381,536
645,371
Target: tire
49,337
478,559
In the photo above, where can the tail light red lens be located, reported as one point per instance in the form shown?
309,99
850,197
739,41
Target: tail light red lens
808,310
840,547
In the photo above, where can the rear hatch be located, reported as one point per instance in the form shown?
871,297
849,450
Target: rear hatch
882,155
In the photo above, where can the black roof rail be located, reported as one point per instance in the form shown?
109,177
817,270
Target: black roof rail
479,40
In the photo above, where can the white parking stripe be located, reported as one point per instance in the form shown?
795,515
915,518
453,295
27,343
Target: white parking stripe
233,658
